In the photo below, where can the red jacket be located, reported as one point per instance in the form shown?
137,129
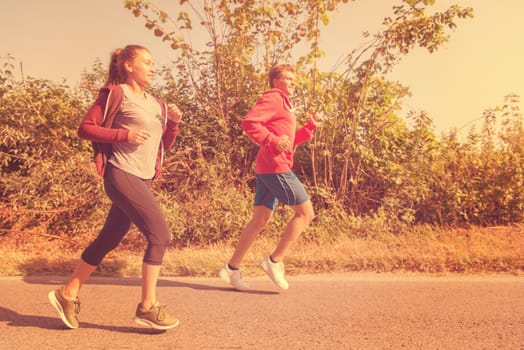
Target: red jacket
270,118
96,127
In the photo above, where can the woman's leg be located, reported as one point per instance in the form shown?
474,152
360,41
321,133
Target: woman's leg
150,274
82,272
134,198
151,222
116,226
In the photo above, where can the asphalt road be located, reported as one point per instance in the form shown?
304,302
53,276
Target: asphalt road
335,311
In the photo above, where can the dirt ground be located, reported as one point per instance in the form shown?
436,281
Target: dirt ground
328,311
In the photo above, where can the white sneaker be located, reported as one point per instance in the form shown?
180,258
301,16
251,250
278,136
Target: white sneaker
234,278
275,271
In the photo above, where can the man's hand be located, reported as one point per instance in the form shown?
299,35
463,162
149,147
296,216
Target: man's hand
317,118
283,143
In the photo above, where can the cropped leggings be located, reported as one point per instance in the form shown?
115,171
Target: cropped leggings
133,202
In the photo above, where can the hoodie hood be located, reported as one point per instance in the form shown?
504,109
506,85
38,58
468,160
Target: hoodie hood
285,99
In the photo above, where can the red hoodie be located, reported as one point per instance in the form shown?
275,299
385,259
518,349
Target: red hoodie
271,117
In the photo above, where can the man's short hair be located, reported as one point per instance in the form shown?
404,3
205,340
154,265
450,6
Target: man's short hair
276,72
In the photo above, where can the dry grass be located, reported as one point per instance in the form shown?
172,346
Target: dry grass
475,250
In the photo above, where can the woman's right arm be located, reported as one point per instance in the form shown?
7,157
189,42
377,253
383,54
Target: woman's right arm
91,128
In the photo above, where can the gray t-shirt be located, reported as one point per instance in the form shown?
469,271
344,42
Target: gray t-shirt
138,112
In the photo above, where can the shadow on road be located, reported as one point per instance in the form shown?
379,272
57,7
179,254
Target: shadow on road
62,270
123,281
14,319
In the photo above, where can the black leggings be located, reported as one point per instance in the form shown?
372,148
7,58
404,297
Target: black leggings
133,202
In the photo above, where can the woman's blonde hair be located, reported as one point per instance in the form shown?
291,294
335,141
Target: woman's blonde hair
117,72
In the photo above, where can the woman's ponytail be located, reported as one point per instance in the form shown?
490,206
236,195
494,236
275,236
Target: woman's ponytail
117,71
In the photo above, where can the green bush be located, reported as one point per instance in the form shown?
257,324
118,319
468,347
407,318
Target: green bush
396,176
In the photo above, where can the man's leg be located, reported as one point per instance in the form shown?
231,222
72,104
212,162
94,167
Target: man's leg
273,265
261,216
304,214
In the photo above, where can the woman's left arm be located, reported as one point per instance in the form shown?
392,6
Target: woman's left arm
173,118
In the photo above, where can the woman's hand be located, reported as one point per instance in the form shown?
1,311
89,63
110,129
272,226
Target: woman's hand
138,136
173,112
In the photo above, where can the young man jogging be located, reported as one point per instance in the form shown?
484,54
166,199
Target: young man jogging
272,125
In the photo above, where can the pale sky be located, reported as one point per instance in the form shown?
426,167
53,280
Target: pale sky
482,63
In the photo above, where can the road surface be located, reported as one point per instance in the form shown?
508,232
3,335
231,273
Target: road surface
328,311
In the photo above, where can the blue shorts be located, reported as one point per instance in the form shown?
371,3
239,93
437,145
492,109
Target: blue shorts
285,188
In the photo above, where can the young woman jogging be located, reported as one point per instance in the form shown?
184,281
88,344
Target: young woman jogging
130,130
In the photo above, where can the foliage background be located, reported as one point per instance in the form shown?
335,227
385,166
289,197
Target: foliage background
369,170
